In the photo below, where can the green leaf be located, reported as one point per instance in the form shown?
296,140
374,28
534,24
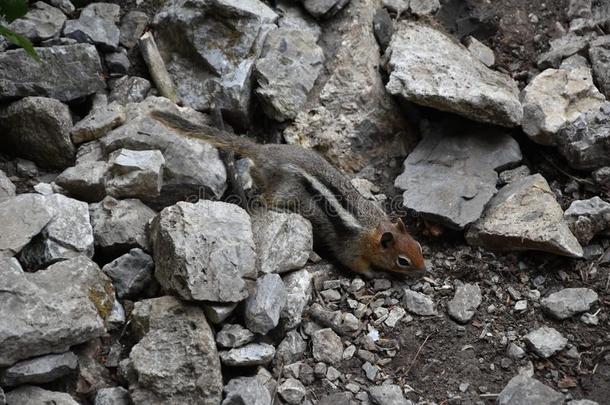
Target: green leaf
13,9
19,40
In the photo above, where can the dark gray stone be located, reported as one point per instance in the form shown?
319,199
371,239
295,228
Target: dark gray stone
322,9
64,5
129,89
38,129
587,218
40,370
29,395
263,307
383,27
327,346
106,11
16,231
120,225
233,335
450,176
599,54
246,390
545,341
292,391
85,181
388,394
118,63
561,48
132,28
70,72
291,349
131,274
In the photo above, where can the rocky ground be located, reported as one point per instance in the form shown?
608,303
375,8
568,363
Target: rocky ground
127,276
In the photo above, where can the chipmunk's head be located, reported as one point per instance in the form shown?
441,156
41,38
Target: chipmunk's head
395,250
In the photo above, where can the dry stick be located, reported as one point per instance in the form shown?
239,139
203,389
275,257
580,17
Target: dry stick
417,354
156,67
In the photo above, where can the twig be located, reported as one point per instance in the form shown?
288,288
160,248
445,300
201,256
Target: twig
156,67
489,395
417,354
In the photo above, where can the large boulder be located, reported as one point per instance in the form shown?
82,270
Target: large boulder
98,122
556,97
284,241
84,181
213,60
176,360
350,118
51,310
17,232
202,251
429,68
451,174
70,72
524,215
38,129
39,370
192,168
41,22
93,30
69,234
286,71
585,142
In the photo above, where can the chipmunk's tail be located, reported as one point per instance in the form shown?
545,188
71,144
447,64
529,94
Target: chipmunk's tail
211,135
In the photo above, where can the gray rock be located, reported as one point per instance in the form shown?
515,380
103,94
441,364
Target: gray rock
524,215
59,307
112,396
246,390
397,6
120,225
515,352
17,231
341,322
118,63
556,97
176,360
39,370
568,302
252,354
327,346
293,17
98,123
545,341
585,142
561,48
523,390
64,5
383,28
39,23
286,71
85,181
263,307
579,9
298,294
574,62
116,319
233,335
105,11
69,234
370,371
291,349
217,313
219,68
283,241
129,89
90,151
481,51
292,391
424,7
458,82
70,72
582,402
466,300
132,27
134,173
2,397
28,395
324,8
352,122
599,53
93,30
511,175
38,129
7,188
588,218
602,177
418,303
203,250
389,394
450,176
193,168
341,398
131,274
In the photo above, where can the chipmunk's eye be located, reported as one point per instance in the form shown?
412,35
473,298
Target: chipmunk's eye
402,261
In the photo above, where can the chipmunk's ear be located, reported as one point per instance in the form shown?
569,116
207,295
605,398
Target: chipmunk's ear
401,226
387,239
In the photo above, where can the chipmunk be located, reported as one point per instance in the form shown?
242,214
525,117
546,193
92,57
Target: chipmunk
357,232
